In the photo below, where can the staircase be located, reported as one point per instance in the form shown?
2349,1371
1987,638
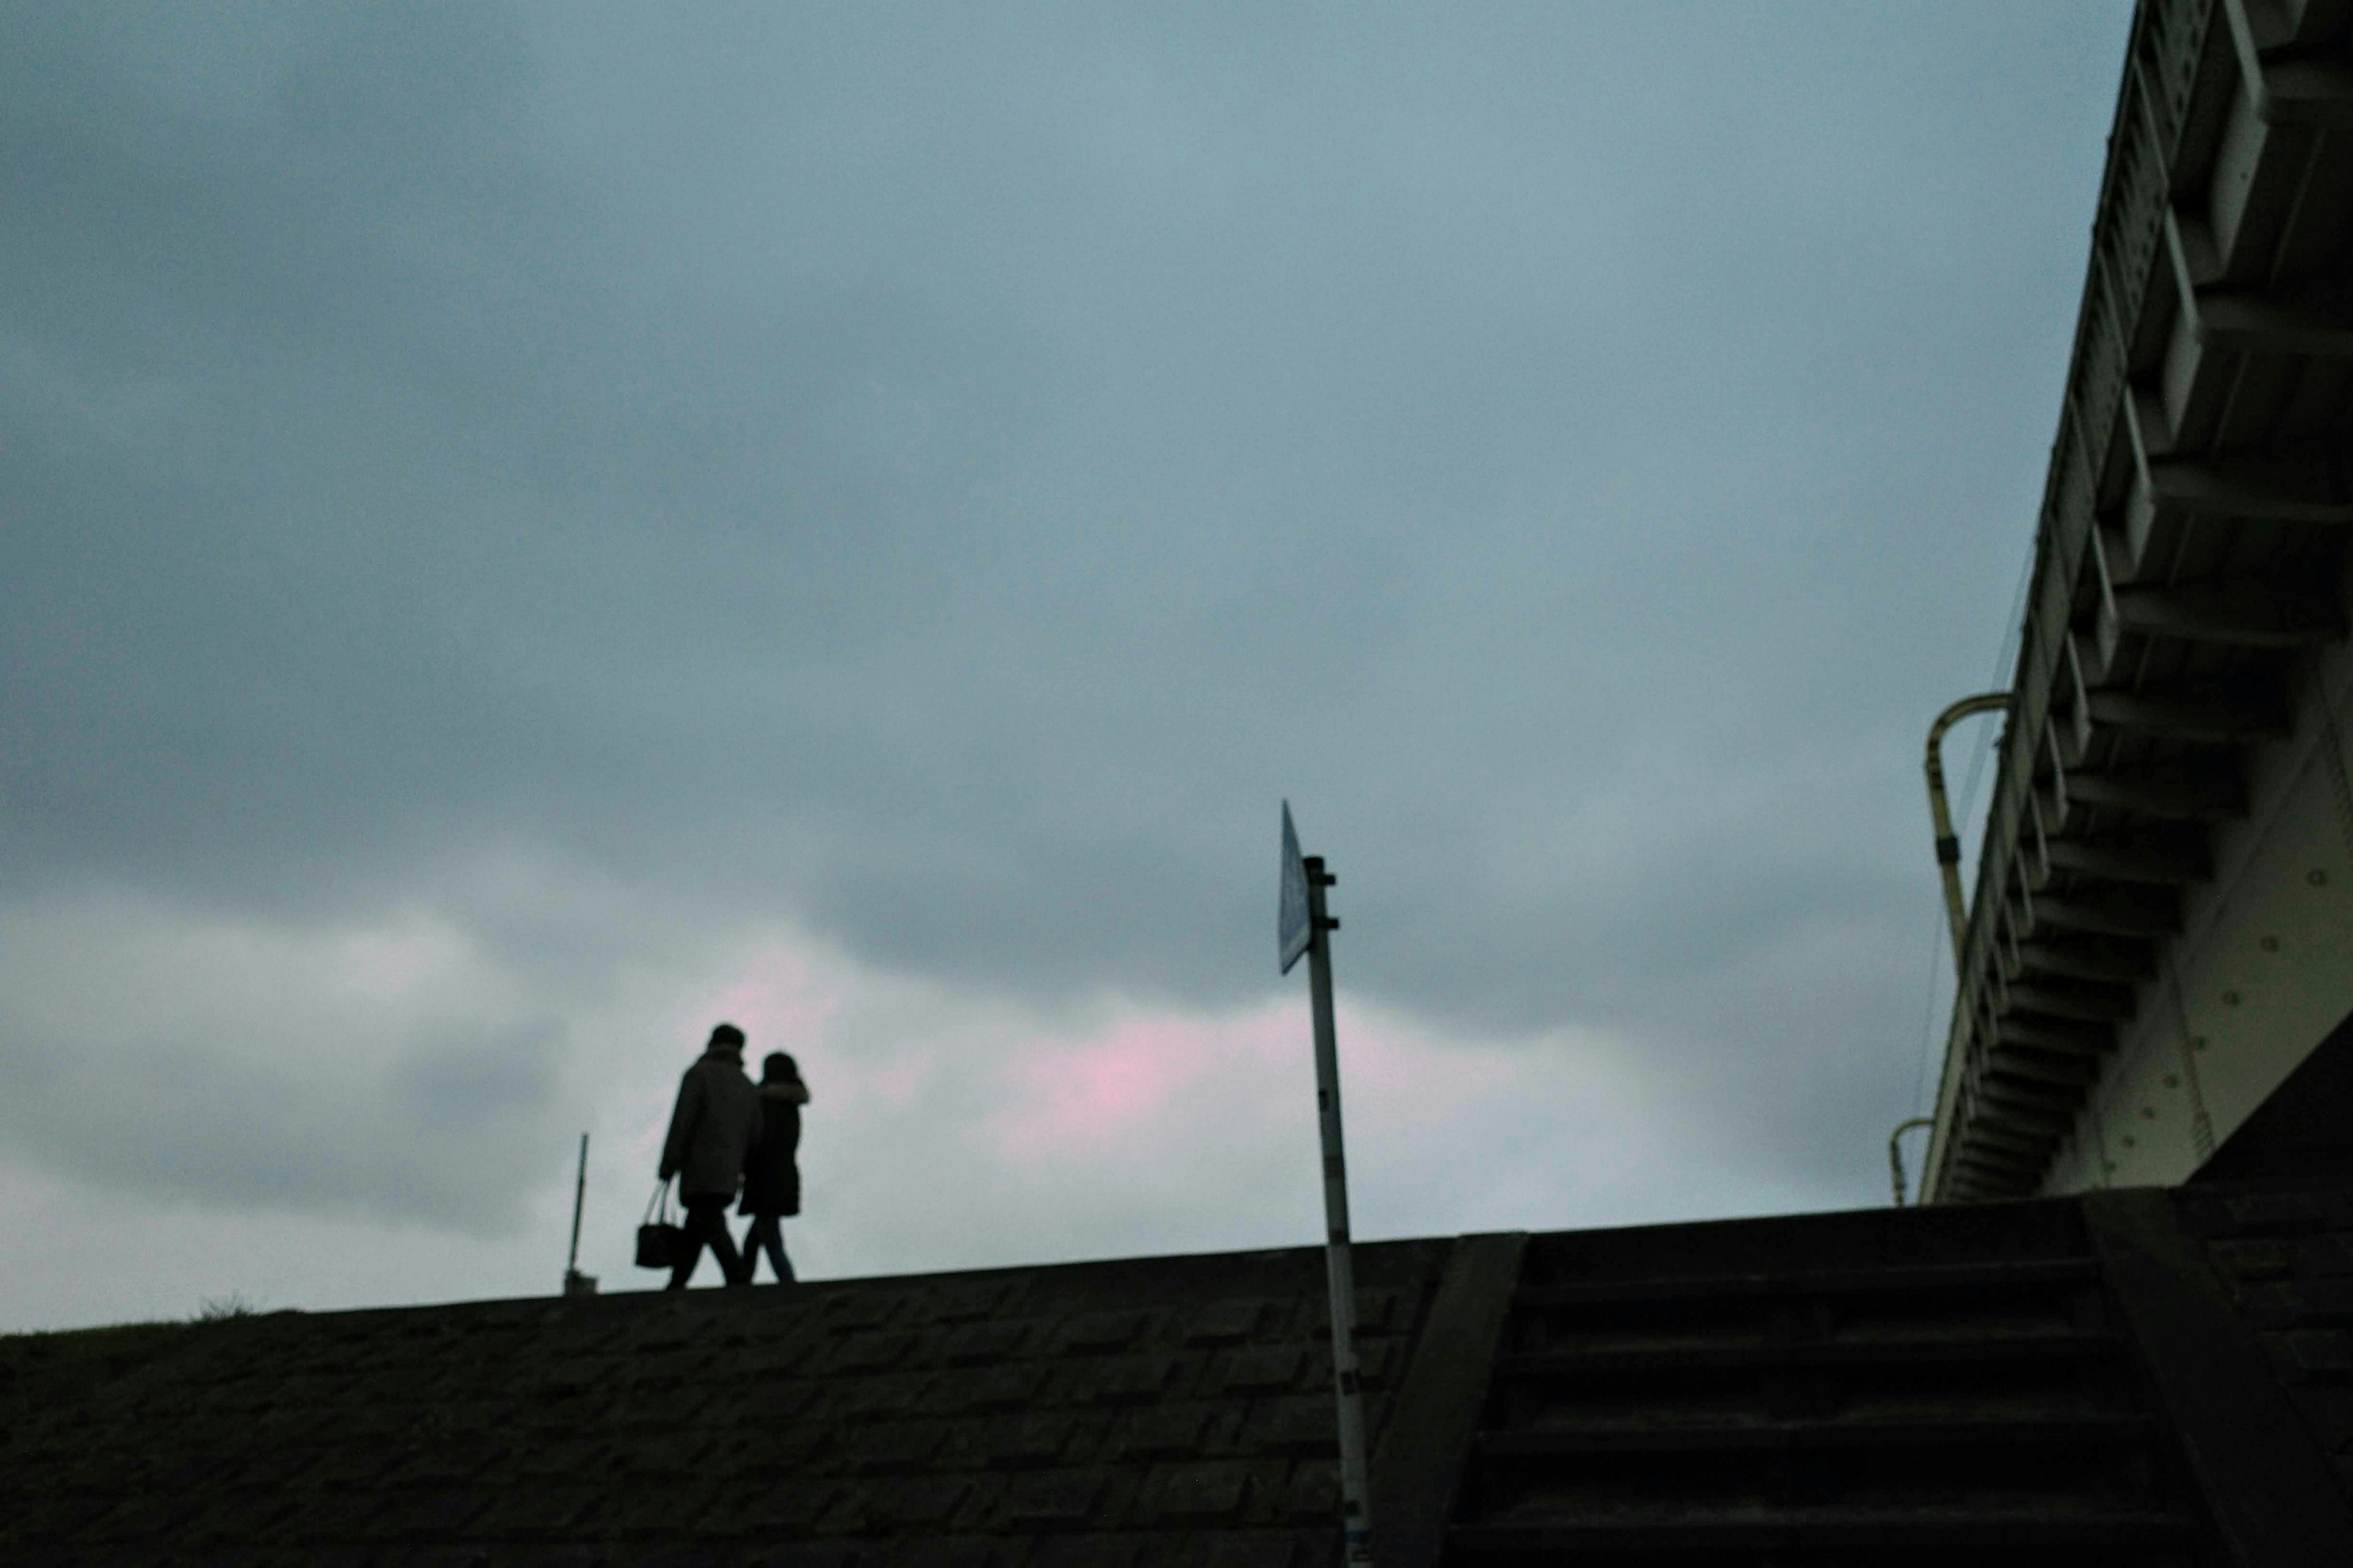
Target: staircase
1834,1390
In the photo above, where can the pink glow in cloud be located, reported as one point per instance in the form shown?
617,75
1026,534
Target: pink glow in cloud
1148,1080
951,1128
776,998
957,1130
394,960
1141,1084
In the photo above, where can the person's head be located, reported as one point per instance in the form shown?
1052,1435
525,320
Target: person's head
779,1068
726,1037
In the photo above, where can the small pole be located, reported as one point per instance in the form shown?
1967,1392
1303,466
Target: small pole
1356,1484
574,1283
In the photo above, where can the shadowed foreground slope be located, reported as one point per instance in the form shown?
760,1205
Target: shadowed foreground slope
2140,1377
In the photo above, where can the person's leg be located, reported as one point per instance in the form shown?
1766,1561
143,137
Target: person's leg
691,1254
753,1236
765,1236
705,1225
733,1266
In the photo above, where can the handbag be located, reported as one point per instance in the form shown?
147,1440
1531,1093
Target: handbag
661,1241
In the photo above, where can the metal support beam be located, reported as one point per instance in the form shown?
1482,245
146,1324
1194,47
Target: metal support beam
2081,1038
2304,484
2068,1070
2175,792
1990,1172
2251,323
2114,961
2020,1113
2004,1166
2083,999
2291,91
2300,490
2245,322
2164,858
2236,612
2198,718
2033,1148
2307,92
2003,1089
1998,1160
2252,489
2132,912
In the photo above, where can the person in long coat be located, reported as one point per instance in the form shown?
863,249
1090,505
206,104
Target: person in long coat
772,1179
712,1128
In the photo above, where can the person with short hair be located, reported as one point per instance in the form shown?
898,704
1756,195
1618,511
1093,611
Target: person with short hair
772,1178
712,1128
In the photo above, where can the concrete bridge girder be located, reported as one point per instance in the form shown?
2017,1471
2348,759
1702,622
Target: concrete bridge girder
2183,662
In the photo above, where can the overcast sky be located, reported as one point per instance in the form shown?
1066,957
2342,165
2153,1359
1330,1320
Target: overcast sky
526,531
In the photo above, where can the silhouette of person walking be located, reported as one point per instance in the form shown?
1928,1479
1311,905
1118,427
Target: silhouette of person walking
772,1180
712,1128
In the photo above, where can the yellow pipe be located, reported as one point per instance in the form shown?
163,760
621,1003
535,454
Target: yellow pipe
1896,1152
1948,846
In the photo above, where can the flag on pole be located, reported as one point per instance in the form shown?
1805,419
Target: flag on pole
1294,931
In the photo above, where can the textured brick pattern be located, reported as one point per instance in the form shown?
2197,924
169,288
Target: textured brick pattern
2286,1253
1153,1414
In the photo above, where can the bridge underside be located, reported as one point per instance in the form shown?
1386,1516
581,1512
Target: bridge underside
2163,920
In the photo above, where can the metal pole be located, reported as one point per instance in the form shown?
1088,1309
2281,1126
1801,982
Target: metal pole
579,1196
1356,1482
1896,1152
1949,845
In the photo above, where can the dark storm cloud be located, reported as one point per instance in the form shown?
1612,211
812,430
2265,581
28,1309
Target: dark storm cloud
449,1136
468,1079
945,473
